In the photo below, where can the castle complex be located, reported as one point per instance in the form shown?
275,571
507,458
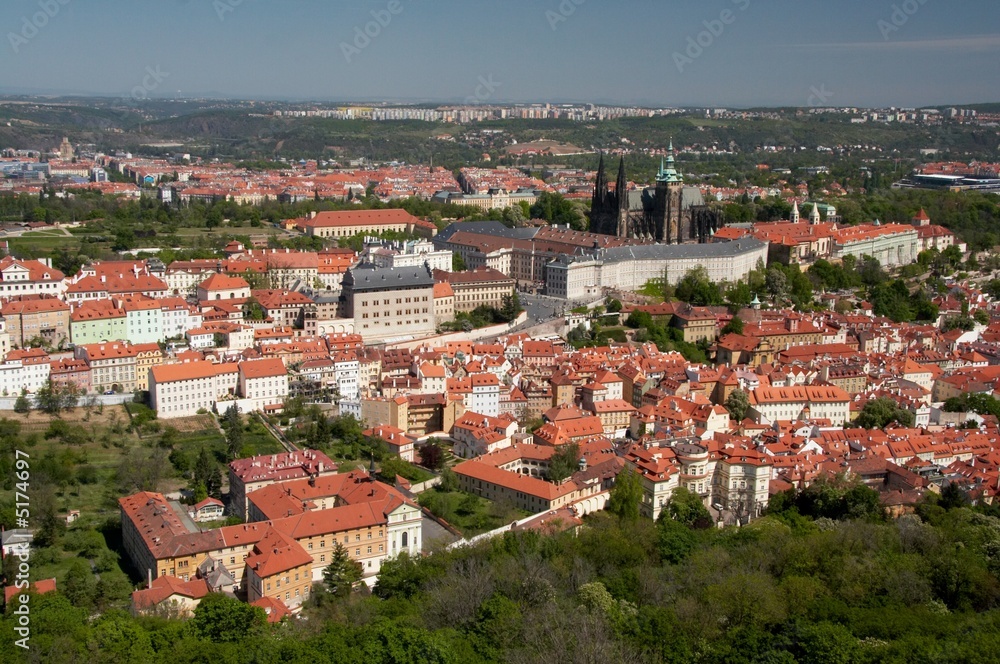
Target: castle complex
667,213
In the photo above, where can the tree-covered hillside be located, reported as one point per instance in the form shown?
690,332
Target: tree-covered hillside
824,578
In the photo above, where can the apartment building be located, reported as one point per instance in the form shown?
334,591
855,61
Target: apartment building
159,544
45,317
27,369
263,383
278,567
182,389
249,475
29,277
734,474
482,286
112,365
349,223
805,402
388,303
98,321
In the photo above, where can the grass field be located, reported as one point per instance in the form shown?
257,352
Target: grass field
76,460
470,514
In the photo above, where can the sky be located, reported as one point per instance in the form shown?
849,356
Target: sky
727,53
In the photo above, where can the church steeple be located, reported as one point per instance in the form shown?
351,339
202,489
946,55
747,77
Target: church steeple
600,184
814,217
621,186
668,173
796,215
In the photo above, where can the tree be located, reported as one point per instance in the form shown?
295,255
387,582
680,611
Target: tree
253,310
223,619
48,399
697,288
870,271
457,262
776,282
674,541
234,431
402,576
431,455
510,308
79,585
449,480
391,467
737,403
564,462
120,638
22,405
626,495
880,413
113,589
688,508
342,572
207,474
735,326
952,497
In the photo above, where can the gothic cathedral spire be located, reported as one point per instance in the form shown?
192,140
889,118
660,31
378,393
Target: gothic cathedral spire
621,194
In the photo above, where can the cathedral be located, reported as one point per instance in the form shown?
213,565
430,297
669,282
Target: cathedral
668,213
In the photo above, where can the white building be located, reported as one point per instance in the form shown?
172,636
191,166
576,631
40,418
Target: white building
894,245
804,402
413,253
485,395
345,371
181,390
263,383
17,373
630,268
177,317
30,277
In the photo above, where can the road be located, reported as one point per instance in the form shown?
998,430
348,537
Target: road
540,308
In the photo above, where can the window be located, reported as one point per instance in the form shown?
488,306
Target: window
405,539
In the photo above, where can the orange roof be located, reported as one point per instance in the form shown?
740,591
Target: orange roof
165,587
277,553
37,271
33,306
39,587
358,217
223,282
108,351
274,608
263,368
805,393
443,289
178,371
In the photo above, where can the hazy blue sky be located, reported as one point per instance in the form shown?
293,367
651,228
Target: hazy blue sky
769,52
